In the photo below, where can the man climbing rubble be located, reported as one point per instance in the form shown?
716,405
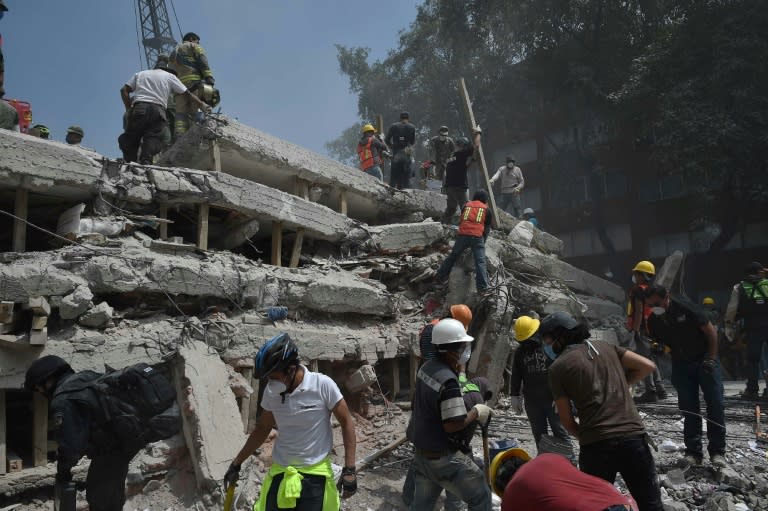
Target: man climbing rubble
371,151
299,403
442,147
595,377
439,412
637,323
686,329
474,228
456,182
749,304
190,63
145,97
512,184
401,137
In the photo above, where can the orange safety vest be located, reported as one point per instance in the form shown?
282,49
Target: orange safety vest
367,158
473,219
630,306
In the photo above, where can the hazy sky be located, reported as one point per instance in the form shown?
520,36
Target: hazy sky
274,61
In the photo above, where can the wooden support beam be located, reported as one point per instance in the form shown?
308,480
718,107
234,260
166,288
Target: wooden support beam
3,448
301,188
277,243
343,202
414,367
395,378
163,225
20,208
481,156
215,155
39,429
245,403
202,227
6,312
314,366
253,406
296,252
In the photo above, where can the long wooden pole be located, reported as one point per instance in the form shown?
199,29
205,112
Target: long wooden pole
471,117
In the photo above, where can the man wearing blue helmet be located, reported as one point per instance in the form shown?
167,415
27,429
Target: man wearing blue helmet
299,403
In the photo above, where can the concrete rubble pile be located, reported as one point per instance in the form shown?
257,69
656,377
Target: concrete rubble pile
133,288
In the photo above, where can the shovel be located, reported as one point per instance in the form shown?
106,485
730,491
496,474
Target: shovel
229,498
486,455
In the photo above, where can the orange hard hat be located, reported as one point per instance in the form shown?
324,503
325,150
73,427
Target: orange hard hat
462,313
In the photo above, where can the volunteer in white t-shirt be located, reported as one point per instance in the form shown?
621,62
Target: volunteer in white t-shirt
299,403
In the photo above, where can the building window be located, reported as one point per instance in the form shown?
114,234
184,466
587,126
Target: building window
662,246
621,236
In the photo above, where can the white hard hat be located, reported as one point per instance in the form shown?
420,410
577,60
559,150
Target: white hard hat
448,331
528,211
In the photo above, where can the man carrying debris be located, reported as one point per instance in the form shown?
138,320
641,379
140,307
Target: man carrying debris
512,183
145,97
595,377
749,303
299,403
190,63
473,231
457,166
439,412
637,323
401,138
530,370
371,151
685,328
442,147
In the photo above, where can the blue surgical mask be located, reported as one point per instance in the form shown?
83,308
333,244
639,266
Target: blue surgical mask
549,351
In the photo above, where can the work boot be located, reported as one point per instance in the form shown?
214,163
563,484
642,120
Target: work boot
661,393
750,394
693,460
718,461
649,396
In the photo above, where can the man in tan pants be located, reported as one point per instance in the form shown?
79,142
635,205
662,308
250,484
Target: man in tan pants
191,66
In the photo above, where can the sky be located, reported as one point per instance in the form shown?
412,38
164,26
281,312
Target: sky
274,60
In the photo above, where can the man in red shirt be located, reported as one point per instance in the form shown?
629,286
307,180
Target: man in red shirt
550,482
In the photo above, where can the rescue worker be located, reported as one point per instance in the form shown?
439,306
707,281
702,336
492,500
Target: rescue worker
512,184
530,216
40,131
549,482
75,413
427,350
595,377
371,151
686,329
439,412
749,304
473,231
189,61
75,135
299,403
456,182
637,317
530,370
442,147
145,97
401,137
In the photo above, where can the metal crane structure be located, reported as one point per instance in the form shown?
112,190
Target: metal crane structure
156,32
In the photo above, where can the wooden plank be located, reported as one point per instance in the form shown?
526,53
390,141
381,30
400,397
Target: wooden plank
39,322
202,227
253,411
39,306
343,202
14,463
215,155
39,429
3,458
38,337
20,207
163,213
277,243
245,403
314,366
471,117
296,252
395,378
6,312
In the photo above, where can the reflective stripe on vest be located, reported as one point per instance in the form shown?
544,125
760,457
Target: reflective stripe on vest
630,308
473,219
367,158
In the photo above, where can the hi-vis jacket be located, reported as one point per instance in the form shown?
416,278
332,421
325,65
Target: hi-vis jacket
474,218
190,63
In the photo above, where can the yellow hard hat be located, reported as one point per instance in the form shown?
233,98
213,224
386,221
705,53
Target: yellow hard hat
645,267
708,300
368,127
525,327
499,459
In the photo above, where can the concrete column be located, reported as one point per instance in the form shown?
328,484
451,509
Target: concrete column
20,207
296,253
343,202
215,155
163,225
202,227
277,243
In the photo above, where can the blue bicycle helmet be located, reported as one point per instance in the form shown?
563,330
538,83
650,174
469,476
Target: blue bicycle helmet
277,354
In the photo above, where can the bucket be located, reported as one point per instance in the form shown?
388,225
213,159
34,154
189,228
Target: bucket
498,446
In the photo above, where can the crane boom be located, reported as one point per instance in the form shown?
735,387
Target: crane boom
156,33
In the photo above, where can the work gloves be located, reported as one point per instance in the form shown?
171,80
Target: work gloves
484,413
516,404
708,366
232,475
347,484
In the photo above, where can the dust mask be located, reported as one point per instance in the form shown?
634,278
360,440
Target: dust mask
510,165
634,280
464,357
276,386
549,351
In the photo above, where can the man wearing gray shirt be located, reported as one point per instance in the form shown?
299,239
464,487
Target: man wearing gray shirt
512,183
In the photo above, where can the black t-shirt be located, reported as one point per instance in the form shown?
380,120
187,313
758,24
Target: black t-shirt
456,168
401,135
680,329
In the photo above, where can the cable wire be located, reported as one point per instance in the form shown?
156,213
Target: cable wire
138,34
173,7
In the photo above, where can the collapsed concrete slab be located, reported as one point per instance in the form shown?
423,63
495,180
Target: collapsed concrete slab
255,155
403,238
667,274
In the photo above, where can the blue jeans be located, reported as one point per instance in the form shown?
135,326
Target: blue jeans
630,457
541,413
477,244
688,377
457,473
452,502
375,171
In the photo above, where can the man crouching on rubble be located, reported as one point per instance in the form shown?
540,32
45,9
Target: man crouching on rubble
439,412
299,403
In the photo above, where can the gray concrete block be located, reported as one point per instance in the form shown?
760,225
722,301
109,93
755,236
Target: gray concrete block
76,303
598,309
99,316
361,379
403,238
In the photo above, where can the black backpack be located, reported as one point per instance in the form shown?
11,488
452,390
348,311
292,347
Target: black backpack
139,405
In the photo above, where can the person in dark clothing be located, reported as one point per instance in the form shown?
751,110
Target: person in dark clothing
76,413
401,138
686,329
427,350
456,183
530,370
473,230
594,377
